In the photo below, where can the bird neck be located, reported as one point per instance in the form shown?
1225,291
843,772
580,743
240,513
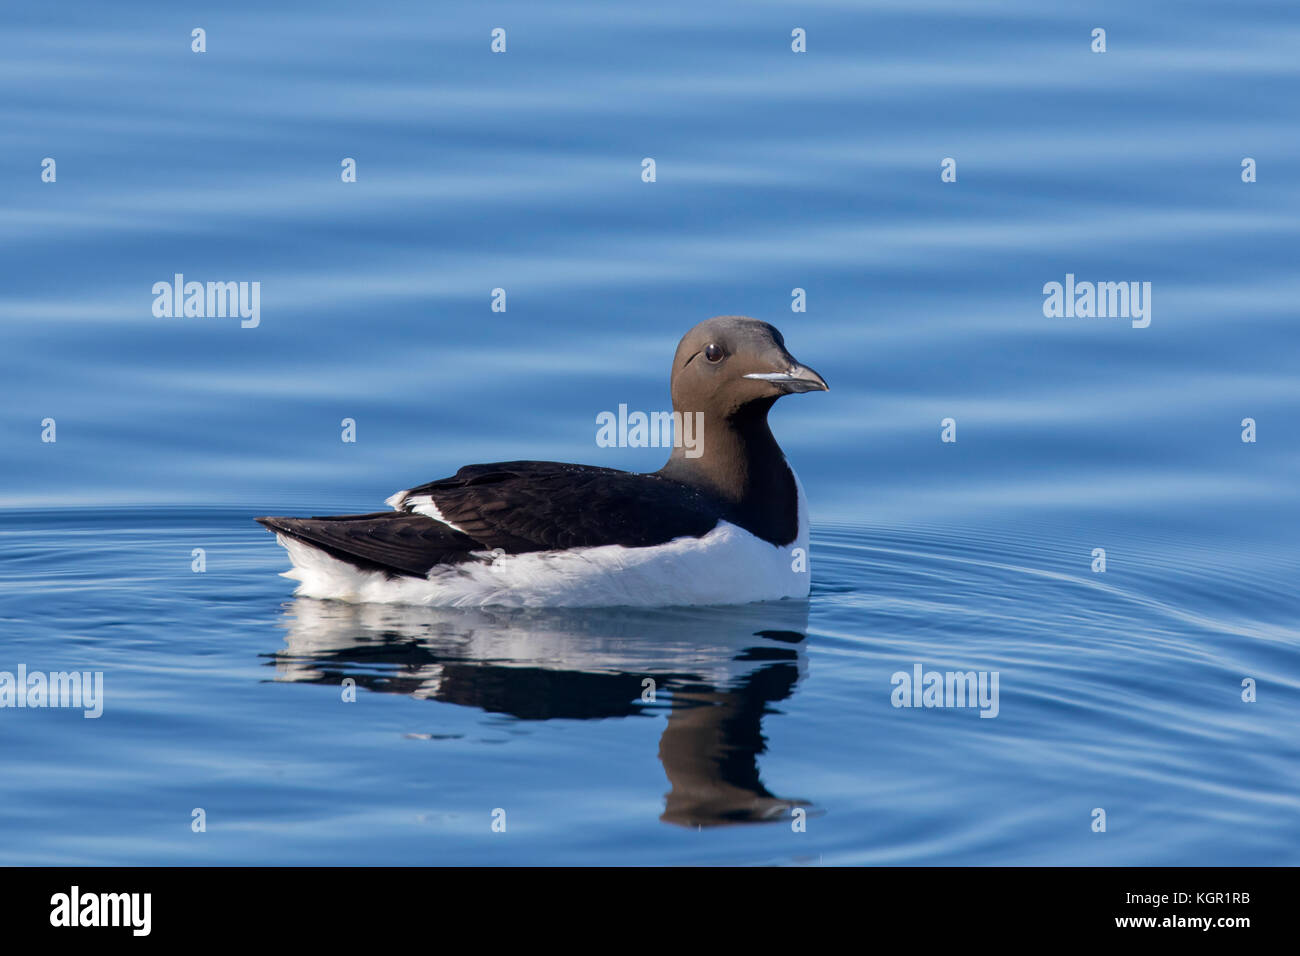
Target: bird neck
738,461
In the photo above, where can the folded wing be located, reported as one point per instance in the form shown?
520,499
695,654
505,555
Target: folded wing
512,507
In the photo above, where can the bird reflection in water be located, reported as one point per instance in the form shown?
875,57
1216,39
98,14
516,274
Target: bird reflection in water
719,669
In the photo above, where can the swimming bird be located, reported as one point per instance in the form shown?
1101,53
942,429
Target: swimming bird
724,523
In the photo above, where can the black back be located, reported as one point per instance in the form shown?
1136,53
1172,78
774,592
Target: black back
516,507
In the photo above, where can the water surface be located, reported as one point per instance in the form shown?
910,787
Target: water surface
1119,690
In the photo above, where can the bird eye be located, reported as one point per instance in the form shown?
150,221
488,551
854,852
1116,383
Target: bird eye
713,353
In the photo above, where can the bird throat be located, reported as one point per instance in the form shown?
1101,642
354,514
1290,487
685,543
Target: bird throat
743,467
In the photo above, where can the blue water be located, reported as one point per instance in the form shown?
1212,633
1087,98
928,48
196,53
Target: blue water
1119,690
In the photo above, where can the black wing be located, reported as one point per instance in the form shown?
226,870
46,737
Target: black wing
390,541
515,507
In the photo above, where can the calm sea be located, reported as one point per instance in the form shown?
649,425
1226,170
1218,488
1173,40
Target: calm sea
771,736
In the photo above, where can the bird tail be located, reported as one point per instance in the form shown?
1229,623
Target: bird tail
397,543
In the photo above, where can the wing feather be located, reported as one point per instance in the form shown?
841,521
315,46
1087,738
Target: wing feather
516,507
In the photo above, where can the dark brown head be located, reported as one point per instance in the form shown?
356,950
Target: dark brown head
731,363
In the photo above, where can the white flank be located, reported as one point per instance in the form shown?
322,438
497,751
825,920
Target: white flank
423,505
726,566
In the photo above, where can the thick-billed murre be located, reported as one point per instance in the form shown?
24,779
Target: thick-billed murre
727,527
